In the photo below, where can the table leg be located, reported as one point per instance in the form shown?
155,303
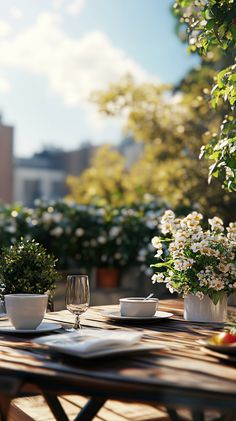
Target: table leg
9,388
56,407
87,413
173,414
91,408
4,407
198,416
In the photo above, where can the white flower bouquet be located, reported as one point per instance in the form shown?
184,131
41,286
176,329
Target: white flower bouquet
196,258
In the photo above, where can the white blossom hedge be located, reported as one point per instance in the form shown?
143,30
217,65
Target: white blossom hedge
85,236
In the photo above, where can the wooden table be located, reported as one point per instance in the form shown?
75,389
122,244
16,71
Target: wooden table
181,375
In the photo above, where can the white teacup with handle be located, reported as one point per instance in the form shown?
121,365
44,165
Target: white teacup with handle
26,311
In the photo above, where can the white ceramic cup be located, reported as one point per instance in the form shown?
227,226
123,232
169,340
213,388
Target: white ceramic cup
26,311
138,307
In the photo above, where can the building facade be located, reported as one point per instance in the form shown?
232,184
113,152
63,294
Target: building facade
6,162
43,176
36,178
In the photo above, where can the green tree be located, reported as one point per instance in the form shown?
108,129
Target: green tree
101,183
172,129
211,32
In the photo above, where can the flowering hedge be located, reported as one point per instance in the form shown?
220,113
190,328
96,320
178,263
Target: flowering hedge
85,236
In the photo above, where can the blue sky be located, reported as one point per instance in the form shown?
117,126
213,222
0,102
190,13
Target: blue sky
53,53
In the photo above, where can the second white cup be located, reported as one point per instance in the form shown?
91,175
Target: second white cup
138,307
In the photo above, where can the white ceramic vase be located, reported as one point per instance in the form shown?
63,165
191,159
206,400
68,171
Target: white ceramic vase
196,310
232,299
2,307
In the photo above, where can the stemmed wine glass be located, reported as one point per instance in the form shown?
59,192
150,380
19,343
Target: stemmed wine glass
77,296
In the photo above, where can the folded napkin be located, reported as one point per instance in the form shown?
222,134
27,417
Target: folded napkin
87,341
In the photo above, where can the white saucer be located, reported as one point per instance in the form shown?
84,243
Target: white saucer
115,315
3,316
43,327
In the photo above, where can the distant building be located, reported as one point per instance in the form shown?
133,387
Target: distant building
6,162
131,149
78,160
36,178
44,174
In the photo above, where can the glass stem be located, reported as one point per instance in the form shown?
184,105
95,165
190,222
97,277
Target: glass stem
77,323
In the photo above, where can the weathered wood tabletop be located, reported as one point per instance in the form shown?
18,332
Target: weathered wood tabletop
182,374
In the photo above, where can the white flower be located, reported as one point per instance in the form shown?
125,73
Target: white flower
208,251
11,229
217,284
57,231
114,232
231,231
156,242
170,288
157,277
79,232
195,247
183,264
102,239
224,268
197,235
47,218
167,222
216,224
166,228
200,295
56,217
168,215
158,253
194,216
192,220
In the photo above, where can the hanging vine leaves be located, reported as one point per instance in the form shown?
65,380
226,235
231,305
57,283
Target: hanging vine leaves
210,27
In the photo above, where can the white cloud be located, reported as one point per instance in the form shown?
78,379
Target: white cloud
70,7
4,85
5,29
56,4
15,13
73,67
74,7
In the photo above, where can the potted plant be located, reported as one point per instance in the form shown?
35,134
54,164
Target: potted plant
25,267
123,241
198,262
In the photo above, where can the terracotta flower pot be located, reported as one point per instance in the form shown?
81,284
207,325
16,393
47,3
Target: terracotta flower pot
108,277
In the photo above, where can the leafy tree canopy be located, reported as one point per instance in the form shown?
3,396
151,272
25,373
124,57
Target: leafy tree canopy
100,184
172,128
211,31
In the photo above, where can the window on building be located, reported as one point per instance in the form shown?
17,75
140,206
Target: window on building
57,189
32,191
